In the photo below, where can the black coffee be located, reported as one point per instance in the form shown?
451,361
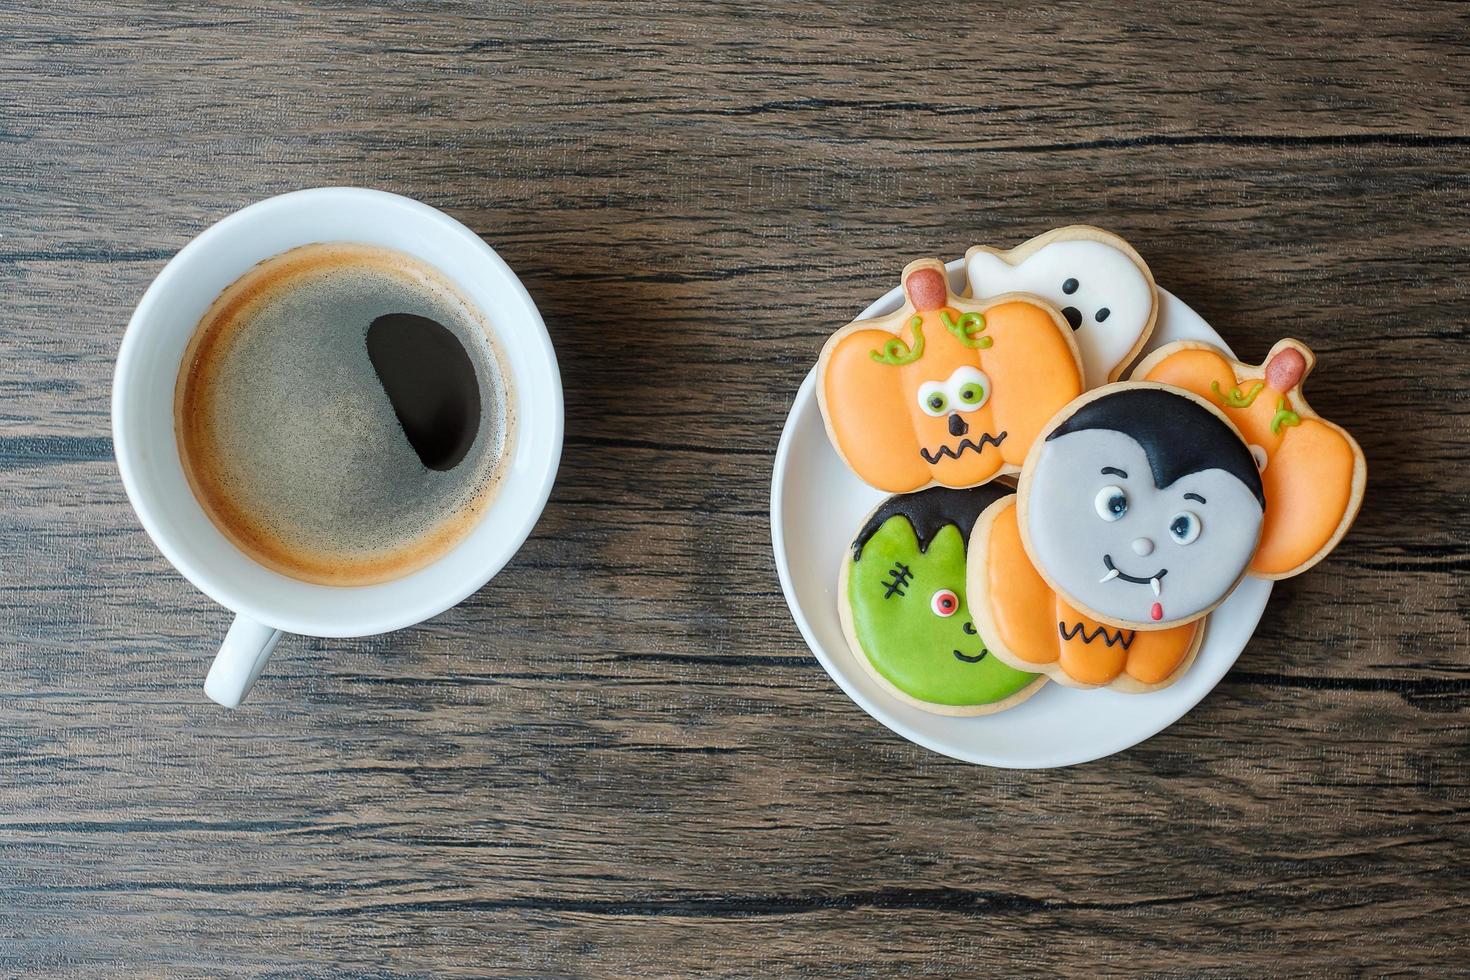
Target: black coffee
342,413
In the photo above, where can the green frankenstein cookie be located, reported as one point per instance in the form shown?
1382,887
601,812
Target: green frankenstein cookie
905,613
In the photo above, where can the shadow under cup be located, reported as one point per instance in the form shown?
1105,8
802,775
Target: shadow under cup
155,345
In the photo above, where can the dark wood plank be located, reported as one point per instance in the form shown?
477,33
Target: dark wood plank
618,759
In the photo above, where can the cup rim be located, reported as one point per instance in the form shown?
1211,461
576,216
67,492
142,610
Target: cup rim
514,527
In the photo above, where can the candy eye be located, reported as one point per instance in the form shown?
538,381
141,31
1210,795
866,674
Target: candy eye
1258,453
944,603
1111,503
968,388
1184,527
933,399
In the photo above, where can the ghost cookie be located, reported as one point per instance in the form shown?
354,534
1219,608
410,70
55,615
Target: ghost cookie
1140,506
1101,285
1030,627
946,391
901,596
1312,471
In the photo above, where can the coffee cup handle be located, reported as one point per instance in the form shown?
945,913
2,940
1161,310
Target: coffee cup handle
240,660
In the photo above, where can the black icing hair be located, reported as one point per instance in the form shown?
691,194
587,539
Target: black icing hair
930,511
1178,436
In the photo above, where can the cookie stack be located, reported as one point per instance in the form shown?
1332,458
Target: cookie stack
1049,520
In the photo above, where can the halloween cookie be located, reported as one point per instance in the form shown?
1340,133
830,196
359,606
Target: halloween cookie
1140,506
1101,285
1030,627
1312,471
945,391
901,597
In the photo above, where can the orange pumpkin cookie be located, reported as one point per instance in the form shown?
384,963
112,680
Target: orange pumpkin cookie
1312,471
1030,627
946,391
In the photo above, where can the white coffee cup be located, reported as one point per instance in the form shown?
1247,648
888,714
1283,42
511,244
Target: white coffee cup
266,603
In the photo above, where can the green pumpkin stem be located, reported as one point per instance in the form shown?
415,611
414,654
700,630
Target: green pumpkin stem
967,328
1284,416
1235,399
897,353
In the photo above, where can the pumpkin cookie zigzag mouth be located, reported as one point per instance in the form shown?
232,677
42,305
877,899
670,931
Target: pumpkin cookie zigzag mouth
954,453
1109,638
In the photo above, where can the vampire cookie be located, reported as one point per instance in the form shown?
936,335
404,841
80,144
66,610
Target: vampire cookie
1141,506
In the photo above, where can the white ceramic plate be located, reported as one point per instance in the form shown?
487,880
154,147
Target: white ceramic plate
817,505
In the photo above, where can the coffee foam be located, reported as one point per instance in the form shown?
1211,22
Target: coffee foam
290,441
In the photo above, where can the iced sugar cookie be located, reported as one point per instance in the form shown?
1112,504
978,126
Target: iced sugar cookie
1029,627
901,596
1313,472
1102,286
945,391
1141,506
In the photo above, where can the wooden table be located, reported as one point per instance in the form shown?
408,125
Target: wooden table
619,759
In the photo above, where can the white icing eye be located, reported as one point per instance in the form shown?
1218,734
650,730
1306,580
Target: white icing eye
944,603
933,398
1184,527
1258,453
1111,503
969,388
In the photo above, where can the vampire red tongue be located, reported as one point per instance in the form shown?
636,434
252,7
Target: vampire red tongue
1156,613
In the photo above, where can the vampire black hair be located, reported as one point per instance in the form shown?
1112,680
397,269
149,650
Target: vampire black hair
929,511
1177,435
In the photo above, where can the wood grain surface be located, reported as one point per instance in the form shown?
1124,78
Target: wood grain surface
618,759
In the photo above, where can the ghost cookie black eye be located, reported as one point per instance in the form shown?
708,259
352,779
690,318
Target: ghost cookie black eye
1102,314
1073,315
